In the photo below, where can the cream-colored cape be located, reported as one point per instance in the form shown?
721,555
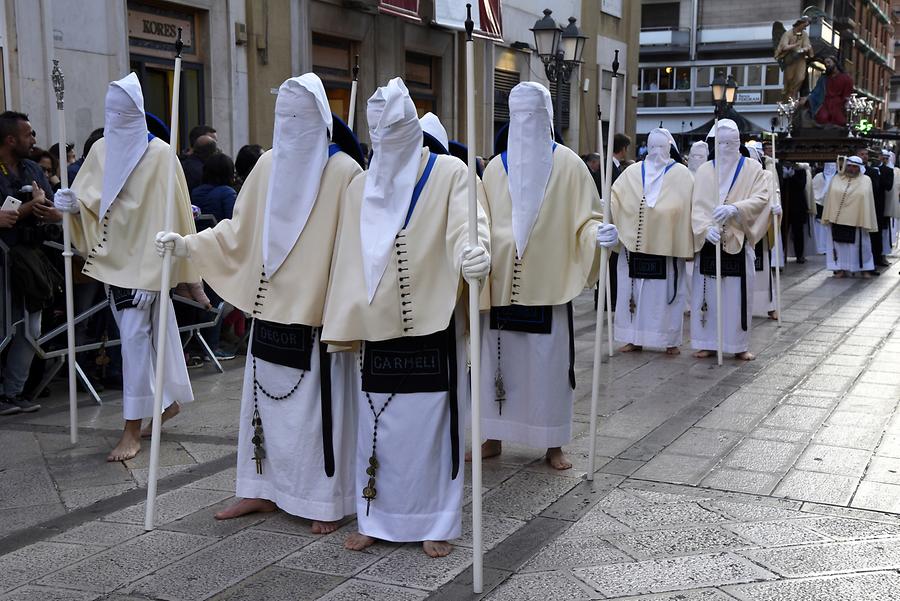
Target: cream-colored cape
750,194
120,249
892,200
229,256
561,258
666,228
850,202
428,251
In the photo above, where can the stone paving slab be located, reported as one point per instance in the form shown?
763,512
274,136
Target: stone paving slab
878,586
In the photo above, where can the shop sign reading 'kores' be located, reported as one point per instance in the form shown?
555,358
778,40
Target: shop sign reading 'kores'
158,28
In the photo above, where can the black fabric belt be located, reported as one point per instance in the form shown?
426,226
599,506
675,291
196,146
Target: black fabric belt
651,267
733,266
536,319
414,364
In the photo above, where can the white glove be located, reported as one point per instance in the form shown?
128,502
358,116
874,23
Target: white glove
776,210
171,241
143,299
723,213
713,235
607,235
476,264
66,201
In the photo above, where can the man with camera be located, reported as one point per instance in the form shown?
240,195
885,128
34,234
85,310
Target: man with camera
26,196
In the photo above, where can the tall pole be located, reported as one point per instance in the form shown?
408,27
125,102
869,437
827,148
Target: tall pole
559,78
608,291
719,245
59,85
474,316
777,223
604,266
351,116
164,303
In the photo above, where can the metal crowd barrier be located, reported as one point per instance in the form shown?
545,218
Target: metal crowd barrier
57,357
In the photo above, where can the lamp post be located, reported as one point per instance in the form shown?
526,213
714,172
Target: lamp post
560,50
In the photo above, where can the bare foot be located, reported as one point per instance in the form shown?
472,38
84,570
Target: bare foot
130,443
437,548
745,356
245,506
631,348
839,274
773,315
324,527
866,275
557,459
170,412
358,542
673,350
490,448
704,354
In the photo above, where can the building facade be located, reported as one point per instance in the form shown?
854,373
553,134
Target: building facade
237,53
685,44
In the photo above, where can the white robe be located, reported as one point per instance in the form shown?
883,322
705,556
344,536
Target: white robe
539,399
138,330
764,288
847,258
889,236
734,339
416,499
655,323
294,475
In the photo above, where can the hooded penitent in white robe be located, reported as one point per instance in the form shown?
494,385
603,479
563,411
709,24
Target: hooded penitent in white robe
821,182
764,287
544,253
699,154
742,183
121,190
892,209
651,207
850,203
272,260
400,305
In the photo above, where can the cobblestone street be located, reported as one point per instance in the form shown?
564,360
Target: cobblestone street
777,479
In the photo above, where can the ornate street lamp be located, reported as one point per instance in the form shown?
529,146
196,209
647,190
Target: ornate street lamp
560,50
724,91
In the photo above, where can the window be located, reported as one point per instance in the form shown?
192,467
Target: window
504,82
331,62
664,15
421,79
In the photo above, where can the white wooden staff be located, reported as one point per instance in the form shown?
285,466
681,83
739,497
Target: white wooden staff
719,342
777,223
59,85
351,116
150,512
604,267
609,311
474,316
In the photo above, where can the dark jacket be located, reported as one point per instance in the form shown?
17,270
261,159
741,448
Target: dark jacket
193,171
10,185
214,200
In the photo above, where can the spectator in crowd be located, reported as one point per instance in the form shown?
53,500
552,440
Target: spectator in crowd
196,132
192,164
593,161
216,195
49,164
70,152
32,277
245,161
621,144
74,167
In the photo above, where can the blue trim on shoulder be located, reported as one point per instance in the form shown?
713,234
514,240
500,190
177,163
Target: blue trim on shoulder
644,172
333,149
506,162
737,172
420,185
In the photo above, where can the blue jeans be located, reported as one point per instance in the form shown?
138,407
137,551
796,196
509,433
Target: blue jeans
21,353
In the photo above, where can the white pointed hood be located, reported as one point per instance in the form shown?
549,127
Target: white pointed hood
432,126
125,134
829,170
529,156
728,154
299,155
653,168
699,154
396,137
